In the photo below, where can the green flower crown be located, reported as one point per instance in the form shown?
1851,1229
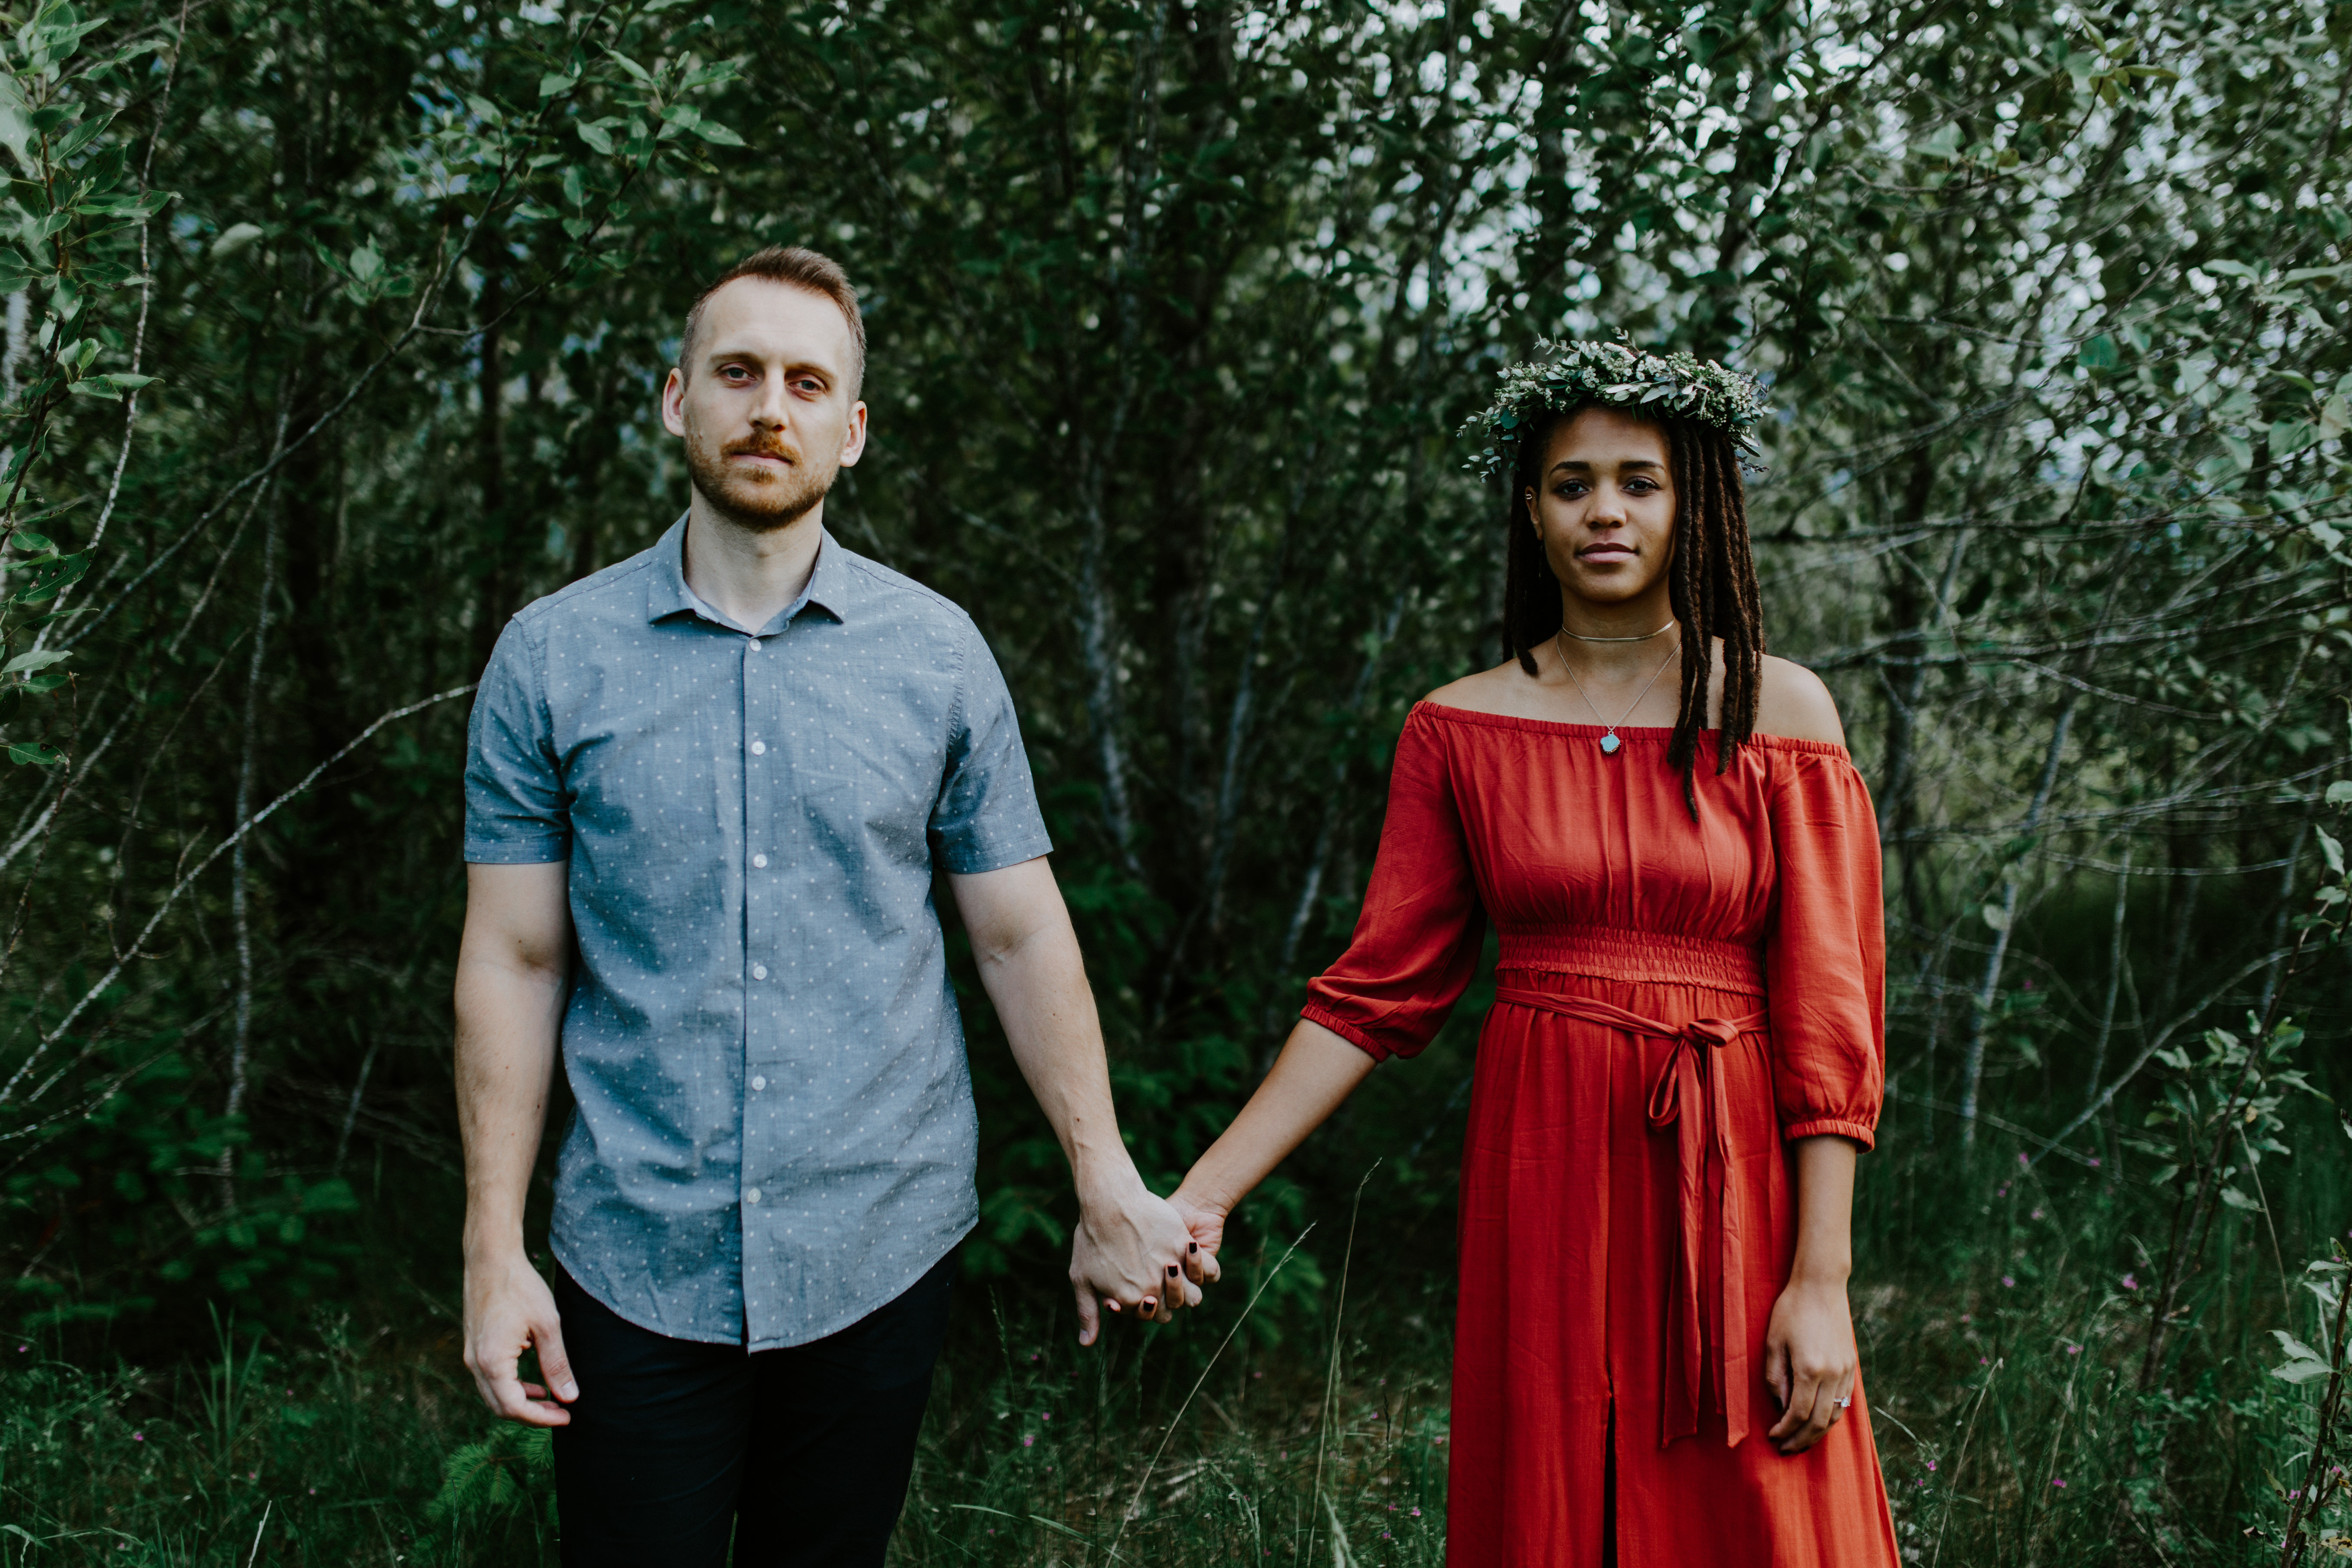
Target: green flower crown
1616,376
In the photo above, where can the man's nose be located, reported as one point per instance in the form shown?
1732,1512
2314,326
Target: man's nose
772,408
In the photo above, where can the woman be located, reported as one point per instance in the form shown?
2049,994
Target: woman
1654,1363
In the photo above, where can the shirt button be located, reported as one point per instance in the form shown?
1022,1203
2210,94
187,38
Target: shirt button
753,1196
754,646
758,747
760,862
758,972
758,1084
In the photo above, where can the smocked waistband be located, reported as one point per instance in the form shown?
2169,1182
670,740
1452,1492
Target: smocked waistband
1611,952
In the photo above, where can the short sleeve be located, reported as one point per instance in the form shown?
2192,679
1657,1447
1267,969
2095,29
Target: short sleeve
1825,954
517,811
1417,941
986,818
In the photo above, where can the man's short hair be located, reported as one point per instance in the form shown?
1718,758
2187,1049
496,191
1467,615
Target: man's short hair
803,269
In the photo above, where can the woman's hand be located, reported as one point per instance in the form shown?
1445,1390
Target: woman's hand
1809,1359
1207,1224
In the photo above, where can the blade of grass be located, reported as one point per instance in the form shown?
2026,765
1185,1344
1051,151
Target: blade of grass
1127,1516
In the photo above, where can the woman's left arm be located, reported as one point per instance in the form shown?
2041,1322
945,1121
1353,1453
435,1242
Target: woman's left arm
1809,1352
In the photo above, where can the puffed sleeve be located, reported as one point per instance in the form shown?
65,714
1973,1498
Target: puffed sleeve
1417,939
1825,956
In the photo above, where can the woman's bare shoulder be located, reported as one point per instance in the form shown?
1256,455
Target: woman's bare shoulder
1794,703
1505,690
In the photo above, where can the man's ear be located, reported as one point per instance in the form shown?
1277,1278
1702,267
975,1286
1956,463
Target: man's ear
673,403
853,446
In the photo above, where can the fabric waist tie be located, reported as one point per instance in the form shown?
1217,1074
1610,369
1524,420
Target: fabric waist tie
1687,1082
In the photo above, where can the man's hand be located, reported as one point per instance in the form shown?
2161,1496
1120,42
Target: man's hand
1132,1254
1809,1359
508,1308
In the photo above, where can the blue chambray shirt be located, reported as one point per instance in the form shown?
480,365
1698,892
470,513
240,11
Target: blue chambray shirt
775,1132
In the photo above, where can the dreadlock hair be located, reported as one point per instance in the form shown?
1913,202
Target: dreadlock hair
1711,583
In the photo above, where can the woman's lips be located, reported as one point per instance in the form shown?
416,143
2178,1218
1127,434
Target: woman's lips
1604,552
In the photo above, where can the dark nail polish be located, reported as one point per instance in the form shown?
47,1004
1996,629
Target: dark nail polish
1192,1246
1171,1271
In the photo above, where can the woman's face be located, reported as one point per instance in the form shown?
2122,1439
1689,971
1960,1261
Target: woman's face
1606,508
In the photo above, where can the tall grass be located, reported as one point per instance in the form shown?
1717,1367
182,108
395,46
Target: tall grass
2002,1312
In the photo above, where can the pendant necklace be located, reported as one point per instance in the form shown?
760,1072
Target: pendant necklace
1609,741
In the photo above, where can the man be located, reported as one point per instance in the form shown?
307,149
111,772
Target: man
706,794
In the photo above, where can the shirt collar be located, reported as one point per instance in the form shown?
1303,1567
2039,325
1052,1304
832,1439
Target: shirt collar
831,586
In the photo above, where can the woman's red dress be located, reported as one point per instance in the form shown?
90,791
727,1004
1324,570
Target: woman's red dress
1677,1001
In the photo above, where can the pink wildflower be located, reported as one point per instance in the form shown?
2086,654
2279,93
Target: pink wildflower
2009,1282
2130,1283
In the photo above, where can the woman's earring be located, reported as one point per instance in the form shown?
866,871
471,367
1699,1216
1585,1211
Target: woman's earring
1533,521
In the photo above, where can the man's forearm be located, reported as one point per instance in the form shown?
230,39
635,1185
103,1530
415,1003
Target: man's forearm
1041,995
507,1019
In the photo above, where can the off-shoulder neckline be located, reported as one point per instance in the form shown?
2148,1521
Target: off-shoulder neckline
1627,731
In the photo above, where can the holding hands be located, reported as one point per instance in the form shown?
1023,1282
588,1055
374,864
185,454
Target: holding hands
1133,1255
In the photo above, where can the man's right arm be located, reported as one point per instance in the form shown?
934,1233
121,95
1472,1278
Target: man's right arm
511,973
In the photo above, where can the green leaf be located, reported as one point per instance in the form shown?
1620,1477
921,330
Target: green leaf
38,543
2289,437
711,131
37,753
40,659
595,136
111,385
2334,416
80,137
643,76
367,264
484,110
554,83
2338,793
2331,849
235,237
2098,353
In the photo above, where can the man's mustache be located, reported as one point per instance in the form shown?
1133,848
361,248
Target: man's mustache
763,446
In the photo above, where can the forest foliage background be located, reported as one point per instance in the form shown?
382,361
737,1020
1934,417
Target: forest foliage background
333,332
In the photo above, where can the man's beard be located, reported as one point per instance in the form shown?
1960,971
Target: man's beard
759,499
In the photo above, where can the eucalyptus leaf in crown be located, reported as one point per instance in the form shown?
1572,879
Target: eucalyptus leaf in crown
1615,375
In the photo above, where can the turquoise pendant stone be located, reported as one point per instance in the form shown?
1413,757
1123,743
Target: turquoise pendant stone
1609,743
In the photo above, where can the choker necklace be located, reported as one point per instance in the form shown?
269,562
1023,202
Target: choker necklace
1645,636
1609,741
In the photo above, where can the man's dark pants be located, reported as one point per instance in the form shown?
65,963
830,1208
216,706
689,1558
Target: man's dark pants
801,1455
